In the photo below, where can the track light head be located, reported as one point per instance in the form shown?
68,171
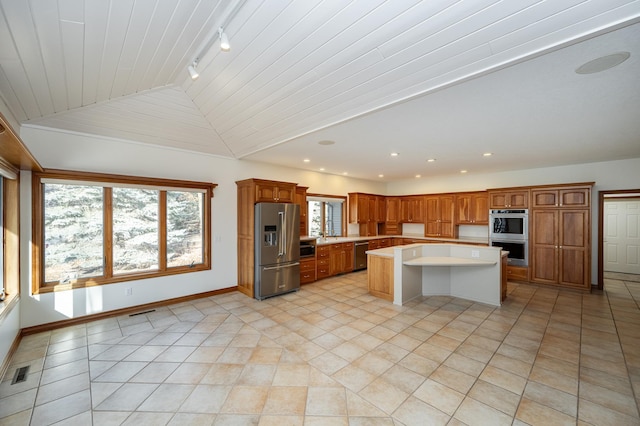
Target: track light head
224,41
193,72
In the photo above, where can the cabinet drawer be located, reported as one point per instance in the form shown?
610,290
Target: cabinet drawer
307,266
323,272
323,251
517,273
323,262
307,277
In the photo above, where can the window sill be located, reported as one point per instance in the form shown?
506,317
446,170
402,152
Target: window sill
8,304
93,282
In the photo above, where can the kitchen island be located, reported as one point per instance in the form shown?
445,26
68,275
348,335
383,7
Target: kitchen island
402,273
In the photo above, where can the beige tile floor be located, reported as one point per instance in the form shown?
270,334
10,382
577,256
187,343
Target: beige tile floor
333,355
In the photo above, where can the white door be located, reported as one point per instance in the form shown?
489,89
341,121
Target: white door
622,235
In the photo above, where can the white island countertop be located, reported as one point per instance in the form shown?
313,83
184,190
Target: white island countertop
334,240
446,261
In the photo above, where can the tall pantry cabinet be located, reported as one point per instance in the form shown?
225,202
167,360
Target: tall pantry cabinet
561,236
251,191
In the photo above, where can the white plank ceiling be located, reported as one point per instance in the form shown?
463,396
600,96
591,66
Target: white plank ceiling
436,78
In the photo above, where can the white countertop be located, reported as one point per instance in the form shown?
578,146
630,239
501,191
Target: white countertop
446,261
334,240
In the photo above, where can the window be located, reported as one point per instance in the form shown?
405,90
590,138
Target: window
325,216
95,229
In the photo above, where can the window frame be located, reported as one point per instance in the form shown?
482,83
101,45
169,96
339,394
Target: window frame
107,181
323,198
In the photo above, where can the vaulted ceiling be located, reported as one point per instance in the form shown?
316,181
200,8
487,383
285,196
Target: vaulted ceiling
439,79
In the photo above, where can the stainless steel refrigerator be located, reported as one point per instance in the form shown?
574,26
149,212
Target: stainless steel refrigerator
277,249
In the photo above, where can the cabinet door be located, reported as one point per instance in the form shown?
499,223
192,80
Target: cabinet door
463,209
417,204
574,248
446,208
301,200
544,246
380,277
266,193
541,198
432,209
498,200
286,194
362,215
381,213
348,253
480,209
393,209
405,210
575,197
519,199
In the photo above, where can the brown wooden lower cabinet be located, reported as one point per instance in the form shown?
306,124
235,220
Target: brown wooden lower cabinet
323,269
307,270
341,258
380,277
517,273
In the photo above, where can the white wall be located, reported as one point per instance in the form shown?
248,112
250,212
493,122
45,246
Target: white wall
56,150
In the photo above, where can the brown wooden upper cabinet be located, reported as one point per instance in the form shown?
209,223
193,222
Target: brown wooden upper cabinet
439,220
301,200
569,197
412,209
510,199
393,209
268,191
472,208
367,210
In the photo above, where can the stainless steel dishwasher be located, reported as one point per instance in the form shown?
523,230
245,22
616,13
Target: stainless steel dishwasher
360,256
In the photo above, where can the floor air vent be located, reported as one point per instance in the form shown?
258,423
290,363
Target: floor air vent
20,375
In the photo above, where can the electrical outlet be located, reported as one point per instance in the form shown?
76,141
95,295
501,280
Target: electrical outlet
217,239
128,291
475,253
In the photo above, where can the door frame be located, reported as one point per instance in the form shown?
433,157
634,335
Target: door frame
633,193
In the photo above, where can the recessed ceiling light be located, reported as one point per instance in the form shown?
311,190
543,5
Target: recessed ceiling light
380,176
345,173
431,160
487,154
418,176
306,160
394,154
326,143
463,171
322,169
603,63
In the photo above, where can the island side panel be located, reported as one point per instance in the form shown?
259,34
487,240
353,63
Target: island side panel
478,283
410,276
380,276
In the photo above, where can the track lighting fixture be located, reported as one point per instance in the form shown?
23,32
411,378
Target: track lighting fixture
193,72
224,41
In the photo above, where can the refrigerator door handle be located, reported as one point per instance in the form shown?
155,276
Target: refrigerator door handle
271,268
283,236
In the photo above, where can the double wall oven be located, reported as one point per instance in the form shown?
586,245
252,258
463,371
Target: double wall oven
509,229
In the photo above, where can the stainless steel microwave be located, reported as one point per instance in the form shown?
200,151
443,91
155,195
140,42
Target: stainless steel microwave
509,224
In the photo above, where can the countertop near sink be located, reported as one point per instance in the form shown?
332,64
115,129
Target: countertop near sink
333,240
